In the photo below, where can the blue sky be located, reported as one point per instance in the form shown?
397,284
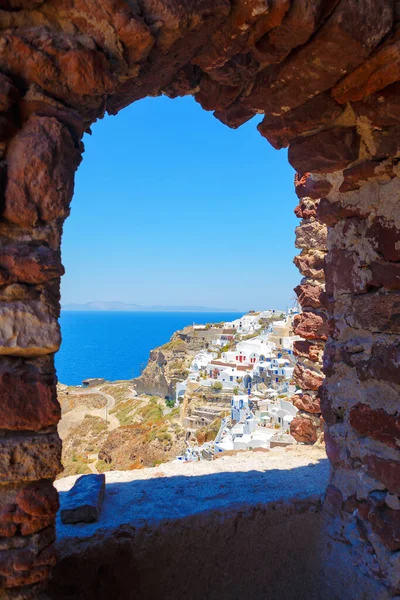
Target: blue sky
171,207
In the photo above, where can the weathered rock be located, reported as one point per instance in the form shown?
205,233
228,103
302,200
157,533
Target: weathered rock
307,403
327,151
304,429
84,500
376,312
385,238
311,326
311,234
306,349
331,213
307,379
30,457
376,424
384,470
311,264
379,71
310,295
281,130
382,363
28,400
307,187
28,329
372,169
41,188
31,264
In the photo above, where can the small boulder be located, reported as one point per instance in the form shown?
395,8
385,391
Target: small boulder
84,500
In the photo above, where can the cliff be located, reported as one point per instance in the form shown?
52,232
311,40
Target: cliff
169,364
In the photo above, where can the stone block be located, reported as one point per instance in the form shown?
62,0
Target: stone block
376,312
311,326
305,429
326,151
385,470
308,349
28,328
384,236
311,264
310,295
84,500
331,213
307,403
307,379
311,234
40,189
307,187
377,424
29,457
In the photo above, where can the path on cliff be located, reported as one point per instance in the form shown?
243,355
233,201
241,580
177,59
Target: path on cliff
75,416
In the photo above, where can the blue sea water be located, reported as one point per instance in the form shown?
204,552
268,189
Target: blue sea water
116,345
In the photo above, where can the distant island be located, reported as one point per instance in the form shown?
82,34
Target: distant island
121,306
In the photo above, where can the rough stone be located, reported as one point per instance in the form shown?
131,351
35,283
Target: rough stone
306,186
281,130
307,379
311,234
28,329
379,71
84,500
30,457
372,169
385,238
377,424
28,400
307,403
331,213
41,188
304,429
311,326
377,312
306,349
310,295
326,151
384,470
311,264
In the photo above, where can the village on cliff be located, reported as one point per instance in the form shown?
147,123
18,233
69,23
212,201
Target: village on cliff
245,372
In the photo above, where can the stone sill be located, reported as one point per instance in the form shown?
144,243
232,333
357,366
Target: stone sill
240,527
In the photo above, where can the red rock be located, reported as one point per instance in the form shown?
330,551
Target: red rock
379,71
331,213
309,295
307,349
344,272
327,411
382,364
28,401
385,470
307,403
234,116
326,151
35,102
382,109
385,238
40,189
355,176
338,47
311,264
236,72
385,523
304,430
310,326
30,264
333,501
307,379
377,424
214,96
247,21
377,312
386,142
38,499
8,93
305,210
385,274
305,186
185,82
281,130
333,451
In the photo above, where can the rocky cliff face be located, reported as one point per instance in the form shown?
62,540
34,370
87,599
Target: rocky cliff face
169,364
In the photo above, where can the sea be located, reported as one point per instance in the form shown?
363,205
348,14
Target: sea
116,345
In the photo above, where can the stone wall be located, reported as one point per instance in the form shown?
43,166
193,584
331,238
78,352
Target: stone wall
312,323
326,76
